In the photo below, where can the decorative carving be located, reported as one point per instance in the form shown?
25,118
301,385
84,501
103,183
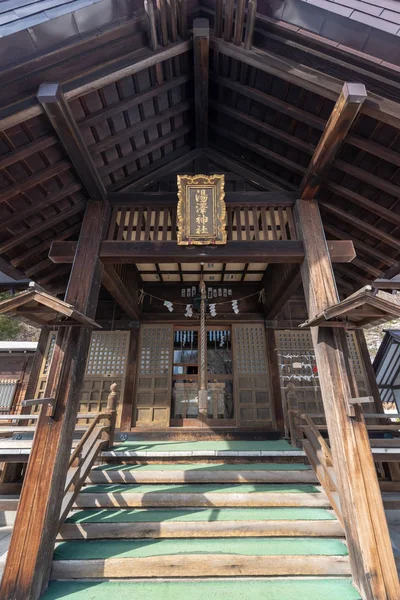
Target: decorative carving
201,209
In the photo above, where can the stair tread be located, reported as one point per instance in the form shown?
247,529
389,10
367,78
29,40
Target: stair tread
206,467
129,515
243,589
201,488
172,446
145,548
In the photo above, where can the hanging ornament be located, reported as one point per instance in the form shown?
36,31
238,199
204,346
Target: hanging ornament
213,311
189,310
235,307
169,305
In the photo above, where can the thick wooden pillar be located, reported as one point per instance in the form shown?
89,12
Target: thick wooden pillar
371,555
28,565
130,382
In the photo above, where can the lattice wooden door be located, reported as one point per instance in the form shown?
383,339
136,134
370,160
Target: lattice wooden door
106,364
153,389
252,379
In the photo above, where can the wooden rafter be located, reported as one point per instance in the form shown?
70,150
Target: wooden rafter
201,48
118,163
359,245
362,225
45,245
103,75
344,113
225,162
35,207
54,104
307,78
59,217
155,171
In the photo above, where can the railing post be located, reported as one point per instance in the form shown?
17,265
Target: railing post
112,409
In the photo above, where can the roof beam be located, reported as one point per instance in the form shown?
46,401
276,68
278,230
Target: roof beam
201,52
169,252
55,106
343,115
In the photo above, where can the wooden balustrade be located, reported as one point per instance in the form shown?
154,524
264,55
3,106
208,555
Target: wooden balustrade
306,434
98,436
244,223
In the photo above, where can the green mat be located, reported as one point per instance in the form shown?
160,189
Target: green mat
200,488
253,589
143,548
206,467
171,446
128,515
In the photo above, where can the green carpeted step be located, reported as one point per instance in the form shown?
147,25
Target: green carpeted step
203,488
206,467
145,548
250,589
196,446
128,515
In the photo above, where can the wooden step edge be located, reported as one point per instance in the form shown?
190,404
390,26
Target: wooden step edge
189,500
192,529
205,476
201,565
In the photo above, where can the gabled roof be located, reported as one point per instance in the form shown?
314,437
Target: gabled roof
134,107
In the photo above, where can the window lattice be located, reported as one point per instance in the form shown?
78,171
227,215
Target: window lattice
155,350
107,353
250,350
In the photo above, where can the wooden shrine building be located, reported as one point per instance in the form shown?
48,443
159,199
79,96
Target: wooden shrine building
237,308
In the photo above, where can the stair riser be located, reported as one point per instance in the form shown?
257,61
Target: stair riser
202,477
176,500
210,565
97,531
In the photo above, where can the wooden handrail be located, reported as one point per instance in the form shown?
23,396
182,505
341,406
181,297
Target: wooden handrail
95,438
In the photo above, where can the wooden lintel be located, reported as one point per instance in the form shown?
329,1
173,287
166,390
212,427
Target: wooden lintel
201,51
116,287
167,199
55,106
342,117
166,252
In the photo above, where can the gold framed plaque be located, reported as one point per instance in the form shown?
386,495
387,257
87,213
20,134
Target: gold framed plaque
201,209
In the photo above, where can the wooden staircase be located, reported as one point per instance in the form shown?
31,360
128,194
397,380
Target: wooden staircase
140,530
